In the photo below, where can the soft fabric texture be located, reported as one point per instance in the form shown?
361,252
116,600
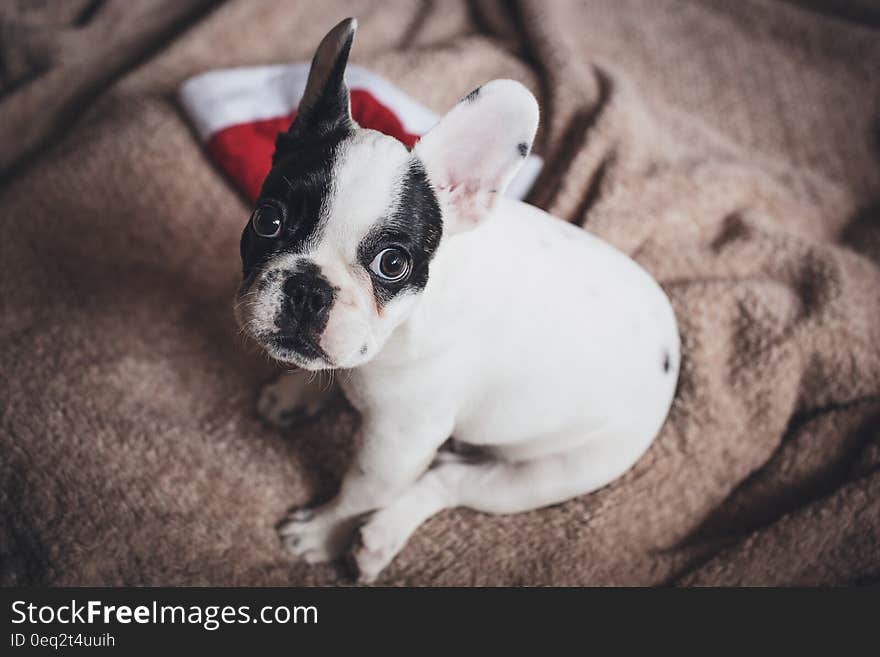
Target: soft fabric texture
730,148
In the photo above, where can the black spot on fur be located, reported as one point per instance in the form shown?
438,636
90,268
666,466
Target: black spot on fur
416,226
363,349
472,96
667,362
523,148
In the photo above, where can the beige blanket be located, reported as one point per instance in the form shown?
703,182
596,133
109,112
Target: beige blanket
731,148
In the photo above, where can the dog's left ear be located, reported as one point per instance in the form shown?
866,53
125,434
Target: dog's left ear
325,105
472,154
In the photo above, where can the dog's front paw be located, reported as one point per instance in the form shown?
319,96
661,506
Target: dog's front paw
375,544
314,536
291,399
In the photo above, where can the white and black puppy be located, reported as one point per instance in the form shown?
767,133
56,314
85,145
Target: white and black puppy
457,312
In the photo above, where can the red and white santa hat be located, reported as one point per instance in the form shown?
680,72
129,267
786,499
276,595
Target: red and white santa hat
238,112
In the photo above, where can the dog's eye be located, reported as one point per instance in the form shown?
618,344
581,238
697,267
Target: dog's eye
391,264
267,220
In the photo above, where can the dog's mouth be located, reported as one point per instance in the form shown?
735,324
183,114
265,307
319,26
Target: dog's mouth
256,311
296,349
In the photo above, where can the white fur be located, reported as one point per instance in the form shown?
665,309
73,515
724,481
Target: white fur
533,341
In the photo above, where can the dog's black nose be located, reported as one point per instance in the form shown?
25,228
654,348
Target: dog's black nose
309,296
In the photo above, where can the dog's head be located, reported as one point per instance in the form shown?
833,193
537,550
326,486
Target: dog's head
338,248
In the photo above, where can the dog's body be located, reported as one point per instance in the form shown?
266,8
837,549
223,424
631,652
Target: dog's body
532,337
547,353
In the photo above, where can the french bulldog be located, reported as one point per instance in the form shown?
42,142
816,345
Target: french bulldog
550,356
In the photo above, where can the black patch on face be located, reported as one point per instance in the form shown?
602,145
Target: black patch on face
267,280
667,362
299,183
298,348
523,148
308,296
302,318
472,96
416,226
363,349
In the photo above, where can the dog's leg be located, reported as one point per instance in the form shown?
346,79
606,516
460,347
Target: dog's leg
293,397
492,487
389,460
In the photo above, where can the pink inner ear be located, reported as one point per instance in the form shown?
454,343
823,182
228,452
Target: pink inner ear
469,202
467,184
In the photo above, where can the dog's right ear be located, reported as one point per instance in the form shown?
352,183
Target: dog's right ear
472,154
325,105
